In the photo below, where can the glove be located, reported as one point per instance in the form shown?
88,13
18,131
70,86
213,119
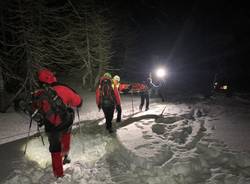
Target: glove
40,123
38,117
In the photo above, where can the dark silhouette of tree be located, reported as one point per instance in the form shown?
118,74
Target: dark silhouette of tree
91,39
35,35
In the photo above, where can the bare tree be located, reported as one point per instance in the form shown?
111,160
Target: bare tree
58,37
1,91
92,41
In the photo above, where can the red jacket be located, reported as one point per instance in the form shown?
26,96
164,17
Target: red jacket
99,97
68,96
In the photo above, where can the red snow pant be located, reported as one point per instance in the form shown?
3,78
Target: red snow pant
59,147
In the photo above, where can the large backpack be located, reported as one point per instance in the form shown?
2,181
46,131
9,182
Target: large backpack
107,94
56,107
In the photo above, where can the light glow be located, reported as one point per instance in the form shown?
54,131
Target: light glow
37,152
161,73
225,87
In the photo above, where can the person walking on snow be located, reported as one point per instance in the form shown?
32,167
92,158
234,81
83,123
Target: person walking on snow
107,98
56,102
116,84
162,91
144,93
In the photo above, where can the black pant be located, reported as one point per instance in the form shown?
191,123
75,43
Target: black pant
119,113
108,113
54,141
144,95
55,132
162,92
162,96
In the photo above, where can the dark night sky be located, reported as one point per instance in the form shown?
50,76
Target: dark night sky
191,37
185,34
160,24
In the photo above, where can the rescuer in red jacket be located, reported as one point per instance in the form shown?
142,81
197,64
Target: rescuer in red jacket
58,116
107,98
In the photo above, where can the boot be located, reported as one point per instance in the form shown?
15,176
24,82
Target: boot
110,130
66,160
140,108
57,164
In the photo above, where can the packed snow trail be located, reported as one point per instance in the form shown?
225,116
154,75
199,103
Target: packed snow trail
176,148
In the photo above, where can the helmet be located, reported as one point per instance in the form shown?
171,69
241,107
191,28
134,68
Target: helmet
108,75
46,76
116,77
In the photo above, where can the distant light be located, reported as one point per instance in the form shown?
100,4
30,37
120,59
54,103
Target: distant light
225,87
161,73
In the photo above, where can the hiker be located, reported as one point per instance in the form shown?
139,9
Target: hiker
56,102
116,84
144,93
162,91
107,98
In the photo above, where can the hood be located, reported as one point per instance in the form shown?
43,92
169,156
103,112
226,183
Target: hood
46,76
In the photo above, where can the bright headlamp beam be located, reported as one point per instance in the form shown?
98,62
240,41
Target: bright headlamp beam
160,73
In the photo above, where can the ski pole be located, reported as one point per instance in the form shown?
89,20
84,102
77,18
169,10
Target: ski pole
38,129
31,118
28,137
77,111
163,110
132,102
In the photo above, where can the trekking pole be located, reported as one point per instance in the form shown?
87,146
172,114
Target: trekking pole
38,129
163,110
132,102
28,137
31,118
77,111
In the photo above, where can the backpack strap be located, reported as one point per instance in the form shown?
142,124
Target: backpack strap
57,107
107,95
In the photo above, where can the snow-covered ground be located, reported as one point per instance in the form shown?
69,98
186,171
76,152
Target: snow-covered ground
199,141
15,125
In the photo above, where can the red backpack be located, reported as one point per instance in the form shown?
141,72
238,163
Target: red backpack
107,93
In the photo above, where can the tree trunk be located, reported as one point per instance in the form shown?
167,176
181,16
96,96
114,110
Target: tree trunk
1,91
89,63
100,69
2,101
89,68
